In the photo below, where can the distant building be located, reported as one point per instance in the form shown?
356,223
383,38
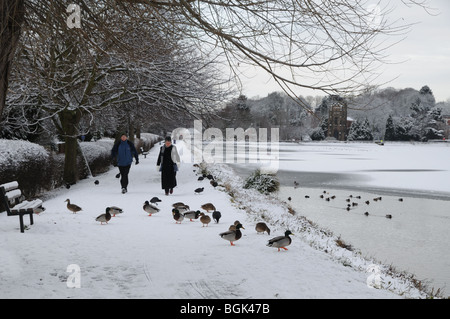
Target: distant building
338,120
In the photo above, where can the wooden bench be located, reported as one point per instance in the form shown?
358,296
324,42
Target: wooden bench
143,152
15,205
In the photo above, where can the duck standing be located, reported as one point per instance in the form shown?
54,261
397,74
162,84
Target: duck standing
205,219
192,214
179,217
104,218
114,210
233,235
281,241
233,227
262,227
182,208
39,210
150,209
208,207
72,207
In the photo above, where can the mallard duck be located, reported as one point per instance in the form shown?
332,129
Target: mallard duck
192,214
208,207
281,241
177,216
233,227
262,227
72,207
182,208
38,210
114,210
232,235
205,219
214,183
216,216
150,209
178,204
104,218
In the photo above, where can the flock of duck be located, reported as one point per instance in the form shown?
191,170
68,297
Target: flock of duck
181,211
351,203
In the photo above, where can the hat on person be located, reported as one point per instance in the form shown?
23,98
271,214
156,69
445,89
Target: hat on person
168,139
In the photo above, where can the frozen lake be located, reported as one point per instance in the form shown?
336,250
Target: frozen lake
415,239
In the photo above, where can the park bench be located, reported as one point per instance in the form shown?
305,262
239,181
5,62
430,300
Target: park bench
15,205
143,152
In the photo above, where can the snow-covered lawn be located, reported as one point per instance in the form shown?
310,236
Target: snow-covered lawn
137,256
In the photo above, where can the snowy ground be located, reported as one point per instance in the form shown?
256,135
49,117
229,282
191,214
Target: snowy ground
137,256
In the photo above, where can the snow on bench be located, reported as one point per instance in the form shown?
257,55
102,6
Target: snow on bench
15,205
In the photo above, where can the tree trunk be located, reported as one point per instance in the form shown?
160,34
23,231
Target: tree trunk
138,131
12,15
70,120
131,132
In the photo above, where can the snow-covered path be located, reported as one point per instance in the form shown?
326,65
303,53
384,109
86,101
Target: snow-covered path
137,256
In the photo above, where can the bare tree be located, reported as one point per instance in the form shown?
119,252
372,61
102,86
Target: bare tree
12,15
333,46
71,75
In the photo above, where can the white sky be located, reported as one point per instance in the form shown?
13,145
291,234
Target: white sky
425,52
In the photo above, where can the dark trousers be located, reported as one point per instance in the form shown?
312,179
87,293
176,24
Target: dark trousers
124,170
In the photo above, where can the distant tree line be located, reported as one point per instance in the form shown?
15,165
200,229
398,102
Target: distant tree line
388,114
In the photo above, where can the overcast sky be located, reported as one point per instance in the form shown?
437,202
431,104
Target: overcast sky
425,52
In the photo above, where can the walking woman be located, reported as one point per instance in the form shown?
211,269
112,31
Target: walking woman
168,161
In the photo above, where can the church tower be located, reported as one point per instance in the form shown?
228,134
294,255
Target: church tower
337,120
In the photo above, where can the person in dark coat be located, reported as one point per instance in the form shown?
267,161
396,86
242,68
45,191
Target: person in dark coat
124,150
167,163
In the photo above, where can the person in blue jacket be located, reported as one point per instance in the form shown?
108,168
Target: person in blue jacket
124,150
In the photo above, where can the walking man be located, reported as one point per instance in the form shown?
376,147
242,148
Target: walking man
124,150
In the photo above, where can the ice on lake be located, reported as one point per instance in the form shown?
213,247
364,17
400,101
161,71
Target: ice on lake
415,239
